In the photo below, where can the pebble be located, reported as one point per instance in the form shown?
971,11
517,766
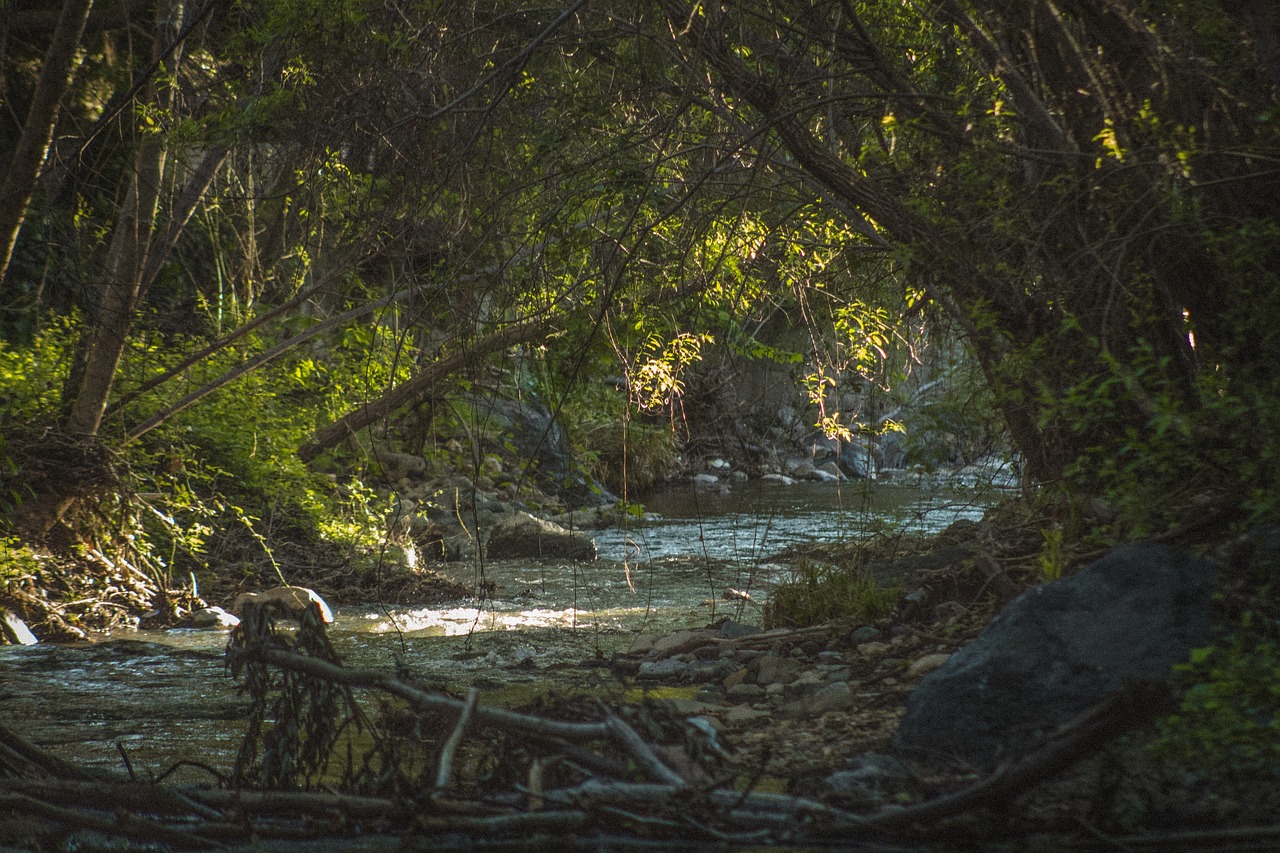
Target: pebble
775,669
662,669
733,679
805,683
663,646
865,634
832,697
745,692
872,649
926,665
731,630
211,618
741,715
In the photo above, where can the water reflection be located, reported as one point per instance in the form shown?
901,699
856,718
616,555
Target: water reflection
161,696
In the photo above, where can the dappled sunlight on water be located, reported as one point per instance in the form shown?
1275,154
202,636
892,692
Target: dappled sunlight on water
162,695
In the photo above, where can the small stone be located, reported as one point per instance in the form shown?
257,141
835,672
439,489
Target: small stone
642,644
926,665
667,644
806,682
741,715
873,649
830,657
832,697
733,679
775,689
833,469
775,669
865,634
731,630
780,479
744,692
708,671
705,480
211,618
670,668
800,468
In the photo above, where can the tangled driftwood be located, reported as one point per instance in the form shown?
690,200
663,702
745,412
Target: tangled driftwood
626,792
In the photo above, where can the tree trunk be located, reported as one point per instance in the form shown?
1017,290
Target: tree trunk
37,132
137,254
422,386
121,288
936,255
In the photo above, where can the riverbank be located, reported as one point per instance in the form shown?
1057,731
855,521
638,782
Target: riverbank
793,720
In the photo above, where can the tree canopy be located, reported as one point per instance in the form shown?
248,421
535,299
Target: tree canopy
1082,191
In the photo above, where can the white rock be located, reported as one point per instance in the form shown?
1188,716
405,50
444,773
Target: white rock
291,601
211,618
926,665
14,630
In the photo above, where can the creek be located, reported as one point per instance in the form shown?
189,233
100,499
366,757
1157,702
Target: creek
162,697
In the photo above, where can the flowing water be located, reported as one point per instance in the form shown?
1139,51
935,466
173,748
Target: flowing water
155,698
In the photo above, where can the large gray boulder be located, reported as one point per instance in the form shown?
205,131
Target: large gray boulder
522,536
1056,651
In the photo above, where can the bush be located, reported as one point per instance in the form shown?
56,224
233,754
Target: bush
822,593
1229,718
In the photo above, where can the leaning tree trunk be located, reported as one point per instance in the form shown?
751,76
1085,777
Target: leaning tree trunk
37,132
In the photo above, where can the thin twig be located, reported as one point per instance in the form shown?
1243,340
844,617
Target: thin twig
641,751
445,770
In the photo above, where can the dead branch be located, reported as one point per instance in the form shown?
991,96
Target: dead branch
122,824
640,750
21,757
445,770
419,698
1124,711
423,384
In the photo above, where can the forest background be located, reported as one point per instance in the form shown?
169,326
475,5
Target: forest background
244,241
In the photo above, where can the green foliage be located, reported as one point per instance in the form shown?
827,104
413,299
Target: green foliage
617,447
822,593
1050,560
17,562
32,374
1229,718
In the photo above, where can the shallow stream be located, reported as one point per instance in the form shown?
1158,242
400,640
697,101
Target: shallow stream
161,697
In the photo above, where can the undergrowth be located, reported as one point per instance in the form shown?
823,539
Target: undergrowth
821,592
